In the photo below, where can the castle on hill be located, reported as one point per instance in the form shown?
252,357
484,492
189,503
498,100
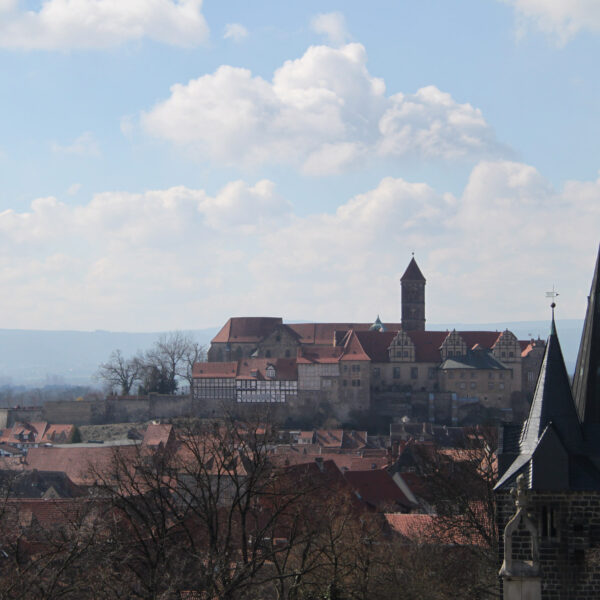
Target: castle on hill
390,369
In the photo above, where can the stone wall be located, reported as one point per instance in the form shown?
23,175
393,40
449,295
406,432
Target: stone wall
569,527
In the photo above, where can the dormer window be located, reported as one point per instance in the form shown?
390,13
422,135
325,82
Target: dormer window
270,371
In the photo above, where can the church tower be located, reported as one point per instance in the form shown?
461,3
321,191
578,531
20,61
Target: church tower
412,285
548,494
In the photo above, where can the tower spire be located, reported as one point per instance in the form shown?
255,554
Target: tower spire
586,383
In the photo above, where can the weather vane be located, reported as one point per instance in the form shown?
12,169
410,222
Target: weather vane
553,294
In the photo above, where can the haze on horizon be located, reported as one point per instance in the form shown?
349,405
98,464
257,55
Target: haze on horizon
176,163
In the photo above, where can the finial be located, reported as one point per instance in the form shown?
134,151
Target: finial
553,294
413,254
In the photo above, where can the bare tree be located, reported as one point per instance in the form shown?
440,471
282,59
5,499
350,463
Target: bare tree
119,372
170,359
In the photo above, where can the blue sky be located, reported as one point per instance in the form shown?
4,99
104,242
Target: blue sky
168,164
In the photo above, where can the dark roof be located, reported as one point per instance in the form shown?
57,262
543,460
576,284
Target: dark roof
35,484
551,443
552,402
473,359
412,273
586,384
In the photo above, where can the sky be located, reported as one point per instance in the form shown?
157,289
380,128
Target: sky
166,164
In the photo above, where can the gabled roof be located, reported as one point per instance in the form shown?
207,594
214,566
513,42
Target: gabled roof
246,329
412,273
247,368
484,339
586,384
473,359
377,488
323,334
376,344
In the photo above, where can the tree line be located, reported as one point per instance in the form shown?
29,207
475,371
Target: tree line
160,369
211,515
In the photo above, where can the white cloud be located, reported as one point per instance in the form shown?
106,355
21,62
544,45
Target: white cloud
66,24
182,258
488,255
332,25
132,261
73,189
562,18
322,112
84,145
235,32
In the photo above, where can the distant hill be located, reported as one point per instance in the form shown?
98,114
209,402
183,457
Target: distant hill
30,357
37,358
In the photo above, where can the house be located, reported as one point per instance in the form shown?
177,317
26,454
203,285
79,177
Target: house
31,435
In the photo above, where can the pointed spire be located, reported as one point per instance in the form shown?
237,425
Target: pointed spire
552,402
412,273
586,383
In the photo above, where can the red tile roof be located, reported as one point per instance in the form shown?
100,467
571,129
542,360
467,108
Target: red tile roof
322,354
77,462
256,368
376,344
157,433
377,488
324,334
247,329
214,369
247,368
427,344
485,339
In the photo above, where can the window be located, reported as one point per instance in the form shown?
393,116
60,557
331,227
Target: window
345,382
405,354
462,374
345,368
511,354
549,525
473,385
491,375
472,374
431,373
356,368
500,386
267,354
396,373
414,372
463,385
287,353
278,337
376,372
490,385
500,375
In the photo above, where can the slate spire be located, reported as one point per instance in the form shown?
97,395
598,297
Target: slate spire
586,383
412,273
